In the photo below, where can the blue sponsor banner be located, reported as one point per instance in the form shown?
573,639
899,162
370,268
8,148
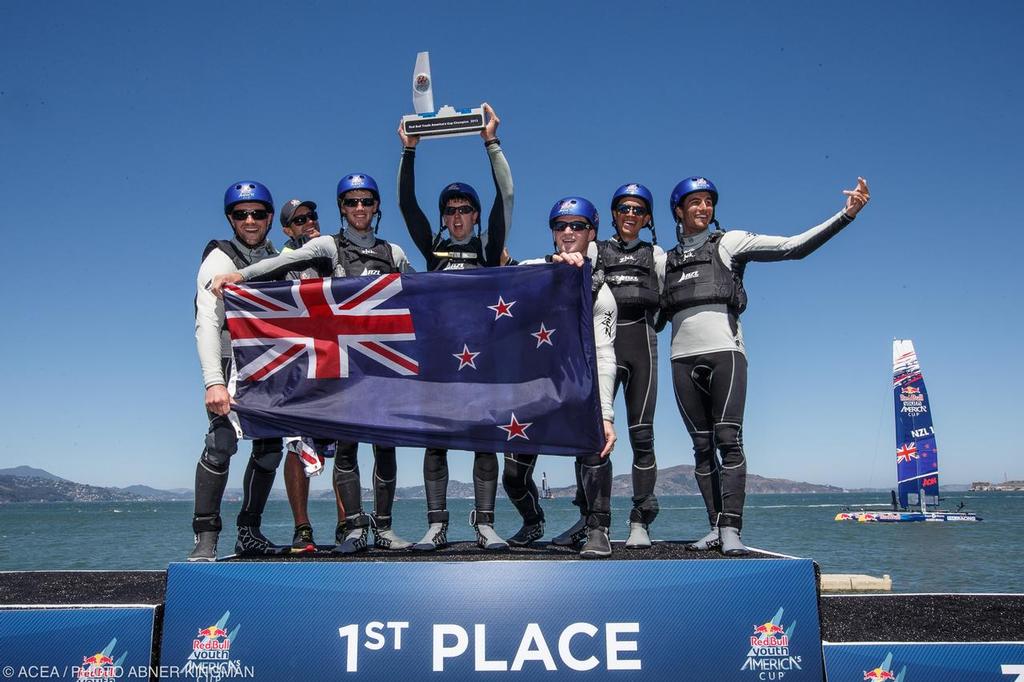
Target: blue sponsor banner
108,643
934,662
637,620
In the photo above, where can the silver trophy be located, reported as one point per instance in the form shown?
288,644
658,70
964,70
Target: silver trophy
446,121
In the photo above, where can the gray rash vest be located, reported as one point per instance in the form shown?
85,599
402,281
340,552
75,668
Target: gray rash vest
606,316
706,328
212,339
322,255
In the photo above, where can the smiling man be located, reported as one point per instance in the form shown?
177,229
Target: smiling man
464,248
249,208
573,222
355,251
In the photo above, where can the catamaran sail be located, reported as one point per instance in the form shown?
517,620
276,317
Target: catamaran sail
917,464
917,459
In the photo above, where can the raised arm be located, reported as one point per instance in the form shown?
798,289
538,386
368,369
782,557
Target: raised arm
745,246
499,222
415,220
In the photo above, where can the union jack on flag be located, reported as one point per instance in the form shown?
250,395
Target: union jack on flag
906,452
465,360
307,320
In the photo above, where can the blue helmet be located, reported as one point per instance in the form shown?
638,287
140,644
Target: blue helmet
691,185
247,190
358,181
459,190
634,189
577,206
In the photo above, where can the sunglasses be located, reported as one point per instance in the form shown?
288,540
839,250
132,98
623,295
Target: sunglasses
461,210
305,218
368,201
575,226
256,214
626,209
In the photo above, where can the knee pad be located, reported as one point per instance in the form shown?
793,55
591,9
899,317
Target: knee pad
641,438
729,438
703,444
221,444
485,466
435,465
267,454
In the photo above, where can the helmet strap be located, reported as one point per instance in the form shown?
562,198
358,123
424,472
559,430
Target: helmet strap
378,215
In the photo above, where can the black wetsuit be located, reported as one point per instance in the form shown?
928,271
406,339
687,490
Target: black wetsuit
222,257
447,254
704,296
632,272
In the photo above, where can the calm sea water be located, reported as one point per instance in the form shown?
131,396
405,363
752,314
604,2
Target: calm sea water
940,557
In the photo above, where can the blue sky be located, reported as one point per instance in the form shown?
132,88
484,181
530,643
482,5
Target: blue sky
121,123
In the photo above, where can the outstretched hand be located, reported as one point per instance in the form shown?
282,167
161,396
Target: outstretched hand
407,140
857,198
491,123
220,281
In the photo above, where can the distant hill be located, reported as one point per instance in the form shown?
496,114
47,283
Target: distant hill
29,472
54,489
36,485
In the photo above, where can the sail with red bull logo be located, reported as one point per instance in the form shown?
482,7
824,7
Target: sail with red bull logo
917,457
917,464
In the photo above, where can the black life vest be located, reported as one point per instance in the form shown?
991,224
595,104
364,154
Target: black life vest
447,255
230,249
699,277
630,274
356,260
237,256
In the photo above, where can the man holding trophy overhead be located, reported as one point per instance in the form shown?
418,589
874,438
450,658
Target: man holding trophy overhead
464,247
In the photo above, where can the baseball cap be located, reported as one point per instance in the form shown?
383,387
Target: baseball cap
288,210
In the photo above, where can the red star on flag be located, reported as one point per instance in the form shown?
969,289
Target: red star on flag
466,358
543,336
501,308
516,429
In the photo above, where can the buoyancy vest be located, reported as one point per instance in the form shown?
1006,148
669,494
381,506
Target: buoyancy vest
356,260
630,274
447,255
230,250
237,256
699,277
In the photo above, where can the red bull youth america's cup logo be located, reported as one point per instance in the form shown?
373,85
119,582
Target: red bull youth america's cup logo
912,400
769,652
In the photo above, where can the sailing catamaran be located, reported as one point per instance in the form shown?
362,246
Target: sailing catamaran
917,463
545,490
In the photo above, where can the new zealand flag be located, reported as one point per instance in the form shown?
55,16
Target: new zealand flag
492,359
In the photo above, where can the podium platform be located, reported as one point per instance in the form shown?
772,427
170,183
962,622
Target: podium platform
461,613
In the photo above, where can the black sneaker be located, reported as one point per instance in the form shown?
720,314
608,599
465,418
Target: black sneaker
251,542
529,533
206,546
574,536
302,540
598,546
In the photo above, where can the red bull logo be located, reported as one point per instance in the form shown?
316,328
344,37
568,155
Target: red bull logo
96,667
910,393
878,674
769,634
212,638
